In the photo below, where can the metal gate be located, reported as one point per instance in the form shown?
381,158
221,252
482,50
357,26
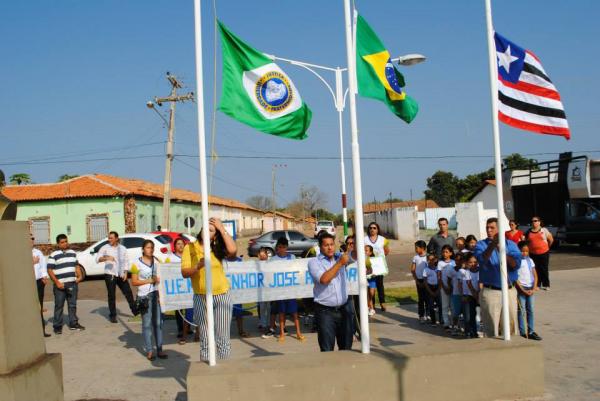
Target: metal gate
97,228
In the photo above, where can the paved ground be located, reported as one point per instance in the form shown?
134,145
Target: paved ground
105,360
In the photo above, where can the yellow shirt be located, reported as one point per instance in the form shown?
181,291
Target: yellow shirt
190,258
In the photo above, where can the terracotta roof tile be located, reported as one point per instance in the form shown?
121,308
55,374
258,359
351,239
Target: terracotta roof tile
103,185
420,204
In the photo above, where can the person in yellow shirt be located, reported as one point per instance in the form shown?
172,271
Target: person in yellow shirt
192,265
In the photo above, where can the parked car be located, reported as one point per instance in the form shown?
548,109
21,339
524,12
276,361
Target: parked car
133,242
325,225
299,244
171,236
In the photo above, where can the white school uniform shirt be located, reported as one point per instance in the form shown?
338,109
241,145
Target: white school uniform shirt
121,262
526,277
430,275
474,278
378,245
447,269
420,265
40,269
456,276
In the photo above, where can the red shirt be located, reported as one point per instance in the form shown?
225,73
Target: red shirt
516,237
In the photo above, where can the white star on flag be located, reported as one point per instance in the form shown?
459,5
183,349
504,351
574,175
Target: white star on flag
505,59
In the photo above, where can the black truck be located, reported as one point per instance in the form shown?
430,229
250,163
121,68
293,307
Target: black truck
565,193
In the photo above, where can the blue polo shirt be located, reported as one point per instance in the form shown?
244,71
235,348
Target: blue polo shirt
335,293
489,271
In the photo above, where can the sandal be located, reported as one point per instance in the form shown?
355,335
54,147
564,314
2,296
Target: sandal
301,338
182,341
281,339
150,356
163,355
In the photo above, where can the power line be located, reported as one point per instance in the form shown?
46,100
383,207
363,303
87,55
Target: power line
79,161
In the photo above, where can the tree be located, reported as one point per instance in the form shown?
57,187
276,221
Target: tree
260,202
66,177
20,179
443,188
515,161
312,198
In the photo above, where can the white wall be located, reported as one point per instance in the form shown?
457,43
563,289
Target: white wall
487,196
432,215
471,218
398,223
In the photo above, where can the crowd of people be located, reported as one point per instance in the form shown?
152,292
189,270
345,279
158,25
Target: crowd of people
455,278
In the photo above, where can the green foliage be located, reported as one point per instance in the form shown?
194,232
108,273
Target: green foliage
66,177
446,189
20,179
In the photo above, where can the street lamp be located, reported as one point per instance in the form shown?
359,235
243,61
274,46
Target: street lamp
150,105
410,59
339,100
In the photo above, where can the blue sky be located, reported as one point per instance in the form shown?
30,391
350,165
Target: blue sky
76,76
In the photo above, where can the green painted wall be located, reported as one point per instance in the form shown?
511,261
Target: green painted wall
73,212
149,215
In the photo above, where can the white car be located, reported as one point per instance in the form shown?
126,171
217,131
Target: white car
133,242
325,225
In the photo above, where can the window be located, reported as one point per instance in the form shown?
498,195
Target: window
132,242
325,223
295,236
164,239
40,229
100,245
97,227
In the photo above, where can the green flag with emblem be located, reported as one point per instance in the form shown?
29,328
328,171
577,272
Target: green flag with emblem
256,92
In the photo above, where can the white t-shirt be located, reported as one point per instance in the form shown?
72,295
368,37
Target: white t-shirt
378,245
447,269
430,275
39,268
474,278
420,264
456,276
121,262
288,256
526,277
144,272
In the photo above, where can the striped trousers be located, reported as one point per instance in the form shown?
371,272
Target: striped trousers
222,308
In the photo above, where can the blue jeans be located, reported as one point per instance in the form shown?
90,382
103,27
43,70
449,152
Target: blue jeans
69,294
335,324
152,322
526,314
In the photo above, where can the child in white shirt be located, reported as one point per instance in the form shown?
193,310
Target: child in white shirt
431,279
471,295
526,284
445,269
419,263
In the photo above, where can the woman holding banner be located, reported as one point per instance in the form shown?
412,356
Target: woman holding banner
183,317
192,265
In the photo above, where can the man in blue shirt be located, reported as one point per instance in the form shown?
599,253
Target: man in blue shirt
333,309
486,252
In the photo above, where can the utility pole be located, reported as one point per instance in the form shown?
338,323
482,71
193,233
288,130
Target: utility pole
173,98
273,191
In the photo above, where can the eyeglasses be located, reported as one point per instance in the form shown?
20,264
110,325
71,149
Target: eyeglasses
373,228
534,220
350,243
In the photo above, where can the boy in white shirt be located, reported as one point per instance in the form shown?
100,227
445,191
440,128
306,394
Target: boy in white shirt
527,284
445,271
419,262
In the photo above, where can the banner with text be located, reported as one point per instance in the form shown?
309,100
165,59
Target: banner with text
249,281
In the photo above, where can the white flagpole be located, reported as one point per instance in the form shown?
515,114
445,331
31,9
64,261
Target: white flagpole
210,319
358,209
498,168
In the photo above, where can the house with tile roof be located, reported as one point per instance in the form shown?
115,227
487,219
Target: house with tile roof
86,208
486,193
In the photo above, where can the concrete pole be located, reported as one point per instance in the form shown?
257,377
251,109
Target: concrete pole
358,207
493,64
169,164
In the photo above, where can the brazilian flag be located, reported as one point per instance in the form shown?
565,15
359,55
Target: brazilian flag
377,77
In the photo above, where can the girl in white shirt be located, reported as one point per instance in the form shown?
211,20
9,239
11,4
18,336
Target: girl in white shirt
445,271
144,277
431,279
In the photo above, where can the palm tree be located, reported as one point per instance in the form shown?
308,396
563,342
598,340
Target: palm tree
20,179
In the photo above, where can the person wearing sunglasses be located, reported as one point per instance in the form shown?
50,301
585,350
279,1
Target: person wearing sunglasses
381,247
540,241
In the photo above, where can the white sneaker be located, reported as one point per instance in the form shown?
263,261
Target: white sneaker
372,312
